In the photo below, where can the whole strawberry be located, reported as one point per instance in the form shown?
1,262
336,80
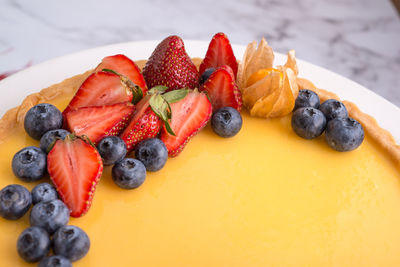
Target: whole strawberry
151,113
170,65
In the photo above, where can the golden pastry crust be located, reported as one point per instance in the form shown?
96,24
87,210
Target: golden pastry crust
14,117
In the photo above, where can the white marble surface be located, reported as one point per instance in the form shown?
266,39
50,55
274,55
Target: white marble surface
359,39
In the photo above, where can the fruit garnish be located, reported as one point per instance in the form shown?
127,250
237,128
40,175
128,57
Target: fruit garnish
75,167
308,122
267,92
307,98
43,192
42,118
33,244
151,112
254,59
100,121
260,74
71,242
219,54
29,164
333,109
112,149
100,89
190,115
222,89
49,215
125,66
170,65
226,122
344,134
152,153
128,173
15,201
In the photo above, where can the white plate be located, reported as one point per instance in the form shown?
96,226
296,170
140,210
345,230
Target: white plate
33,79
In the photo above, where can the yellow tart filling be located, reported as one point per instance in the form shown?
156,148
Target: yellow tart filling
263,198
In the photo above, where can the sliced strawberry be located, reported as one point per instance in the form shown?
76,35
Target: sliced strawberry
144,124
101,88
170,65
219,53
125,66
151,112
99,122
75,168
222,89
189,116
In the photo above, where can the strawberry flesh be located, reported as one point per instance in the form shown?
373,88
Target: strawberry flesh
125,66
100,88
219,53
222,89
170,65
99,122
145,124
75,168
189,116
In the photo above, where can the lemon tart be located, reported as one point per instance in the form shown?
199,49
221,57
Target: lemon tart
264,198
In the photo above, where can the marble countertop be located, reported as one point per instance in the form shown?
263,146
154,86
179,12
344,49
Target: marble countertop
359,39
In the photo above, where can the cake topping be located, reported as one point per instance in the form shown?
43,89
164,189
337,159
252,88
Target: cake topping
102,88
41,119
129,173
307,98
112,149
125,66
75,167
33,244
29,164
333,108
222,90
226,122
15,201
99,121
71,242
190,115
267,92
344,134
219,54
308,122
152,153
170,65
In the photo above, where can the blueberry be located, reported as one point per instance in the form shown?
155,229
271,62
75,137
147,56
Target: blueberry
308,123
33,244
112,149
226,122
49,215
15,201
344,134
29,164
55,261
41,119
49,137
206,74
333,109
152,153
43,192
71,242
306,98
129,173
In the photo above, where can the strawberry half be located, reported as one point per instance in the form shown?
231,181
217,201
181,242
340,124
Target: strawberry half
102,88
125,66
99,122
222,89
75,168
170,65
219,53
151,112
189,116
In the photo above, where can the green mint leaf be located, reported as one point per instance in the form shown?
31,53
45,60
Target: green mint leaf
176,95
